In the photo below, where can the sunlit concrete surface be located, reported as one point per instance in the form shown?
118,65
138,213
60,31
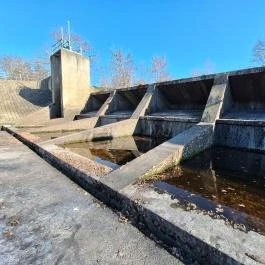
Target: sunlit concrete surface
47,219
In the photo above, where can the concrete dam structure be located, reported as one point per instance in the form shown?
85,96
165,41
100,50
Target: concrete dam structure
181,159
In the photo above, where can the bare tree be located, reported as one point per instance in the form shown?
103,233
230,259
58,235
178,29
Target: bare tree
208,68
158,69
142,73
15,67
259,52
122,69
123,72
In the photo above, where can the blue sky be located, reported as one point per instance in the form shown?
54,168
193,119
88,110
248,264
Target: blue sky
190,33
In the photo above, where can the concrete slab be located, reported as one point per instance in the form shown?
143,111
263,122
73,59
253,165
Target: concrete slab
117,129
209,240
246,115
47,219
76,125
184,114
182,146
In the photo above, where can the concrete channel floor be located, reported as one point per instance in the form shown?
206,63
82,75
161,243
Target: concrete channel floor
45,218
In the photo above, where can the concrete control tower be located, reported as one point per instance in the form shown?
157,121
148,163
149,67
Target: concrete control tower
70,82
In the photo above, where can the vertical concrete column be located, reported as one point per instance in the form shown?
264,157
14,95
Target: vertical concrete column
104,108
218,101
56,85
144,103
70,73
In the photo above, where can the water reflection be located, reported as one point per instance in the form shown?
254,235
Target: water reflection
226,182
51,135
115,152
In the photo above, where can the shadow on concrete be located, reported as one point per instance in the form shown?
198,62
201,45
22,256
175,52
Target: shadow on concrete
38,97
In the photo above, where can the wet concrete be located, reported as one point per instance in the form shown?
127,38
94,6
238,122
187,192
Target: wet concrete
224,183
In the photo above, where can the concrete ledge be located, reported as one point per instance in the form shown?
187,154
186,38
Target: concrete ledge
170,118
256,123
118,129
60,155
105,120
76,125
246,135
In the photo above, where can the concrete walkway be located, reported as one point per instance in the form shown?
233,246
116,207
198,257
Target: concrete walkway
47,219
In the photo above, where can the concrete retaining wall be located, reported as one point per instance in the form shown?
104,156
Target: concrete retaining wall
163,127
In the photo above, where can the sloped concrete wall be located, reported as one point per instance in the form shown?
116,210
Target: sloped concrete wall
181,95
95,102
21,98
126,100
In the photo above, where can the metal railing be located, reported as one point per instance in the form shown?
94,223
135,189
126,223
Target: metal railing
73,46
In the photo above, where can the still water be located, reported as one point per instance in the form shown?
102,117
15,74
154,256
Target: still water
115,152
225,183
52,135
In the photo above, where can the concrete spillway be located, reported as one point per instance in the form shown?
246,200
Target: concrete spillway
193,114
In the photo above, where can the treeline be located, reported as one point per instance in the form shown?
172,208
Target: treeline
19,68
122,71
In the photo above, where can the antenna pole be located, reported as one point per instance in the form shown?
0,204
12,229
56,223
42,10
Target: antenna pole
69,35
62,42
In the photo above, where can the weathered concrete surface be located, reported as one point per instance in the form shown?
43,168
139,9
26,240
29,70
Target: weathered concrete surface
247,134
182,146
69,126
47,219
109,119
126,100
183,94
117,129
20,98
41,118
207,240
70,81
188,235
96,101
144,103
164,127
110,130
218,101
